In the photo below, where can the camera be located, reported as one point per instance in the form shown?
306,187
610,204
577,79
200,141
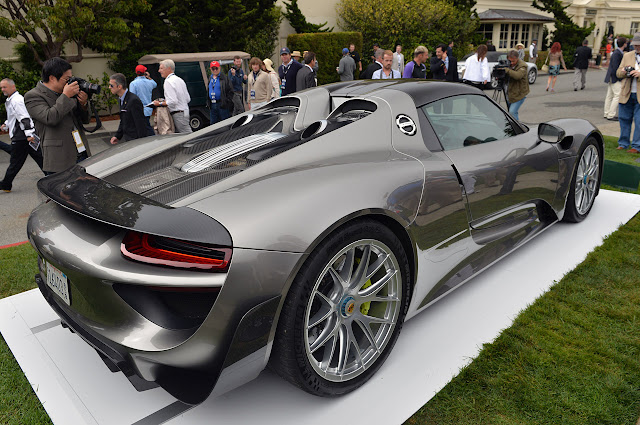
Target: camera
628,70
499,70
87,87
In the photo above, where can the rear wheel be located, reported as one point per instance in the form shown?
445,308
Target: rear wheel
584,184
344,311
196,121
533,74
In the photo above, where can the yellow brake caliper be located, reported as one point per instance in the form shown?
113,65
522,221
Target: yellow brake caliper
364,308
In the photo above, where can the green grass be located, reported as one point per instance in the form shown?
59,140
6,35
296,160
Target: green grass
612,154
18,403
572,357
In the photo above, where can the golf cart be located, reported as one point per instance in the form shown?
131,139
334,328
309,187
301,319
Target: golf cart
193,68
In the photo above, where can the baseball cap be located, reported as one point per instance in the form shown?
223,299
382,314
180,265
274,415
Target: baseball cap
214,64
345,50
285,50
141,69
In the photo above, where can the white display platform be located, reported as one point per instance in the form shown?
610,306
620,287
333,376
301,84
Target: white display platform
76,387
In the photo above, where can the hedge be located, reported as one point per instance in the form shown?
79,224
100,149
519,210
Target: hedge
328,49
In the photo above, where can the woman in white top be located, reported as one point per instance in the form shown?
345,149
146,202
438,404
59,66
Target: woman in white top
476,68
273,75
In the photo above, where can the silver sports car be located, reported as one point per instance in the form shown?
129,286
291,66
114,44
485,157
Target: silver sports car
300,235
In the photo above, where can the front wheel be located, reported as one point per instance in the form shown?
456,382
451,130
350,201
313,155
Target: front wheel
533,75
344,311
584,184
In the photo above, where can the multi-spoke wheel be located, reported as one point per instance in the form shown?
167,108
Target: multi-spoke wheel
344,311
585,183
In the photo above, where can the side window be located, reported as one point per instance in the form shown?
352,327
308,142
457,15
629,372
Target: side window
467,120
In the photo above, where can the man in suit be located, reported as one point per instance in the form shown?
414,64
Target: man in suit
628,106
443,66
613,82
581,63
133,123
306,77
58,109
368,72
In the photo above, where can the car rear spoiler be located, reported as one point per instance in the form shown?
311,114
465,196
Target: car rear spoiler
99,200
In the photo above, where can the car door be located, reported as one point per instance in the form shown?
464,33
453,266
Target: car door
506,173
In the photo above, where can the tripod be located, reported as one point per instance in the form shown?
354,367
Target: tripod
500,92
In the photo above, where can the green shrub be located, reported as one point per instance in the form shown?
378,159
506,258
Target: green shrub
328,49
105,101
419,22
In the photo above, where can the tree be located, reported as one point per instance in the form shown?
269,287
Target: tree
299,22
50,24
263,43
567,32
188,26
420,22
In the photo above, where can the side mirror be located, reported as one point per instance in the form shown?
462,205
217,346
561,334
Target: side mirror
550,133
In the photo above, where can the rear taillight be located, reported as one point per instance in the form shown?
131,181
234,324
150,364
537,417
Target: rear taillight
174,253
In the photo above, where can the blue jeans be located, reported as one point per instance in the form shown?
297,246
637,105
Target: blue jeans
514,107
217,113
629,113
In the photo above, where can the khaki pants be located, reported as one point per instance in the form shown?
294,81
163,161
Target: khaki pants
579,78
611,101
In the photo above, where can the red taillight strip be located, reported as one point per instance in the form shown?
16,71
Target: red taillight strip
137,246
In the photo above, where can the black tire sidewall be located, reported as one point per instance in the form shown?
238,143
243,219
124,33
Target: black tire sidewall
302,373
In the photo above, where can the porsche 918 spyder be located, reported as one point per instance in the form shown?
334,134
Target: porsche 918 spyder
300,235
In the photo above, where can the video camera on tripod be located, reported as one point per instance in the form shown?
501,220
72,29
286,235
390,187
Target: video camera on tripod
500,71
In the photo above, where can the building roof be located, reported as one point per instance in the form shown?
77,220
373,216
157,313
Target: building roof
512,15
191,57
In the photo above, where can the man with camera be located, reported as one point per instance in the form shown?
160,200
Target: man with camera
518,87
58,107
628,106
24,141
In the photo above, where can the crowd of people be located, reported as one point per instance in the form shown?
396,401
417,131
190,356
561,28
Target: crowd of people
47,123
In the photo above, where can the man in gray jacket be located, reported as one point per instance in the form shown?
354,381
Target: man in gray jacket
57,109
347,66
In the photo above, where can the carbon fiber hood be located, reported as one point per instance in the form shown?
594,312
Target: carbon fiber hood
190,163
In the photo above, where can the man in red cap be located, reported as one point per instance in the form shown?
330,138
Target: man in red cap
220,94
142,86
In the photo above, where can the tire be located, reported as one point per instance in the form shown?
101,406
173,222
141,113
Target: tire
532,76
330,339
585,183
196,121
493,84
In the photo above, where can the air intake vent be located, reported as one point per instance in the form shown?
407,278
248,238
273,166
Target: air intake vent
225,152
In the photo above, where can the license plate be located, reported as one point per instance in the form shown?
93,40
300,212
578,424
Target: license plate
58,282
